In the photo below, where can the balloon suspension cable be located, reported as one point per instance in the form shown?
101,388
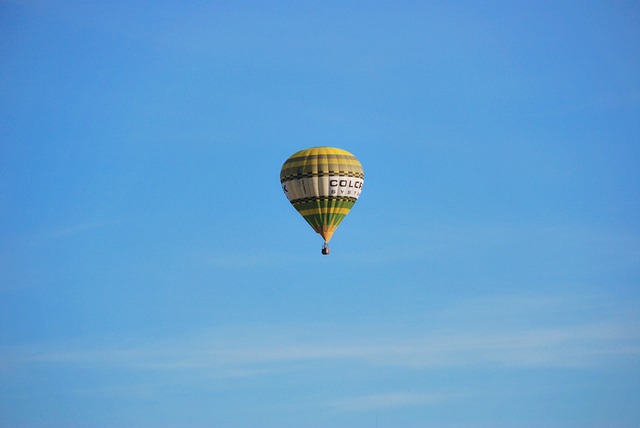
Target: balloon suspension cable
325,249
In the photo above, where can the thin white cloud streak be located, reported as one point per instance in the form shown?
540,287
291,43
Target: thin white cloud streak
76,229
245,260
42,238
537,239
503,331
386,400
274,350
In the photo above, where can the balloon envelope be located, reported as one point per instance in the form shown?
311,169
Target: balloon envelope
322,184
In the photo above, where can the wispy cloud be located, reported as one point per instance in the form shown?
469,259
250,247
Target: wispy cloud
76,229
239,260
540,241
386,400
253,350
40,238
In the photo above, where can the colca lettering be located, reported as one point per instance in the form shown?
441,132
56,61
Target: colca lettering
356,184
343,187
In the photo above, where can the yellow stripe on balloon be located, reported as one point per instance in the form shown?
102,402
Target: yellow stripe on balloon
315,211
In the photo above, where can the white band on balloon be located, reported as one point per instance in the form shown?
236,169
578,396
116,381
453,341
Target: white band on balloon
328,185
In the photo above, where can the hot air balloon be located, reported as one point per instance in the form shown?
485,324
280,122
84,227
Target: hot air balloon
322,184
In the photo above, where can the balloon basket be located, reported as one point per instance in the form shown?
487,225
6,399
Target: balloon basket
325,250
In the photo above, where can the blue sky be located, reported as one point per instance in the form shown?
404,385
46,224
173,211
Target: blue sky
152,273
